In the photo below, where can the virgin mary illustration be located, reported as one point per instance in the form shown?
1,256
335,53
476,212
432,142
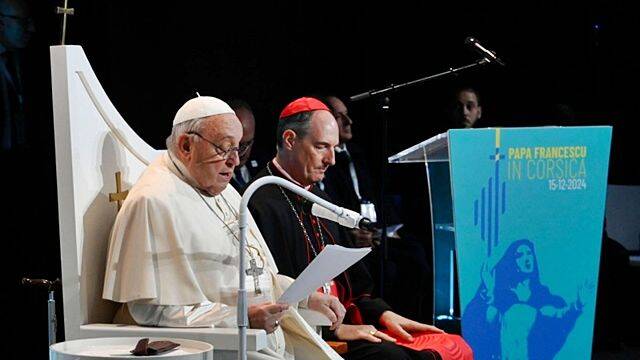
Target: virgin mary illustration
513,315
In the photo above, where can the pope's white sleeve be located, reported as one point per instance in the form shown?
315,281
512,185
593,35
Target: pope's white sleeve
205,314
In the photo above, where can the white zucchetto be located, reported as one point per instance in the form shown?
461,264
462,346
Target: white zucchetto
201,106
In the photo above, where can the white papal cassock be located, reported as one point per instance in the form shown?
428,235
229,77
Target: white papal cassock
173,260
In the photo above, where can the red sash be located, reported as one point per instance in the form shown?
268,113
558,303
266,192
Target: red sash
449,346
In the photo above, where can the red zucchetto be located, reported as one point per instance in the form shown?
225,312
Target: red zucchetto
302,104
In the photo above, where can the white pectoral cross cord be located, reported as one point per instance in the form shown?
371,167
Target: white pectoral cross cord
229,219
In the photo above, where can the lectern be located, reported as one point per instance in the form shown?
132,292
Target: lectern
519,212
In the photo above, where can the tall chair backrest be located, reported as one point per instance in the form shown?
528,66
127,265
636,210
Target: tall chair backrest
92,143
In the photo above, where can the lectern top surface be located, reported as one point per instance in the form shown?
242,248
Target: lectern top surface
432,149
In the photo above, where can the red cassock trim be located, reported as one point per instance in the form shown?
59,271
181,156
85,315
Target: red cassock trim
353,315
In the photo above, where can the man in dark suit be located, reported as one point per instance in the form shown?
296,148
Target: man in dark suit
248,166
466,109
350,185
348,182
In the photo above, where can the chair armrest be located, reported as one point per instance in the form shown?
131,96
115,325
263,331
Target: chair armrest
220,338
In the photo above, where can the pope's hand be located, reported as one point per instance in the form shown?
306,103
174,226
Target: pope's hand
401,327
328,305
361,332
266,316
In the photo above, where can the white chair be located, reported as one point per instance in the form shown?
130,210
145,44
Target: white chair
92,143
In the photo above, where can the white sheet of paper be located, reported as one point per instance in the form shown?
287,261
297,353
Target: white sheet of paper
332,260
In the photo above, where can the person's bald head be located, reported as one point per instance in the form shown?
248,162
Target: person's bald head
16,25
248,121
341,113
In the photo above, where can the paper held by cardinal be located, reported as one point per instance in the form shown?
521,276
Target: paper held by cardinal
332,260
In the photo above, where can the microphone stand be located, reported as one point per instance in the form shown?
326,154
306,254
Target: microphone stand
393,87
384,106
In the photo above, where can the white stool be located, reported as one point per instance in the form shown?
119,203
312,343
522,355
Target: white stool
120,347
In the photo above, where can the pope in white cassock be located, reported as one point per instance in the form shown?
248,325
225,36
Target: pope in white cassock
173,252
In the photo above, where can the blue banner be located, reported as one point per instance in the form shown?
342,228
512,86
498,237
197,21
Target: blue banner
528,217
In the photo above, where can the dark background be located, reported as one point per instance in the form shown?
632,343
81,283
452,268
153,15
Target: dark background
151,58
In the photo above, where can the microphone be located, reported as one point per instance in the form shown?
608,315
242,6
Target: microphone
347,218
486,53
